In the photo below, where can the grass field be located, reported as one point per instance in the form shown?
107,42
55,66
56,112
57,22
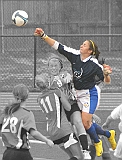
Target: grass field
41,151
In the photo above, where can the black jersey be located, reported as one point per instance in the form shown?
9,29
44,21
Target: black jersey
84,72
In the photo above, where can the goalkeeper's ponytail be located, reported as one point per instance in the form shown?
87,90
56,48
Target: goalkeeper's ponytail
94,49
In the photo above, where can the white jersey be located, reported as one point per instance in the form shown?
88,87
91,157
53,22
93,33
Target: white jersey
117,114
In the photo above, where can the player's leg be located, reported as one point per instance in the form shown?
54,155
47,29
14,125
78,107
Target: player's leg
68,152
76,151
76,120
73,151
106,153
81,133
87,118
92,151
89,101
109,134
73,146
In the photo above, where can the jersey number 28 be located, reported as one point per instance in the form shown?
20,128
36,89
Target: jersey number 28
10,125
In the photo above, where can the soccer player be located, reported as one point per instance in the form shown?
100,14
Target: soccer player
52,103
116,114
16,122
63,80
84,69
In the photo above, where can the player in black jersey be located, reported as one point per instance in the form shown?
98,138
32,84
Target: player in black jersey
62,79
16,122
84,68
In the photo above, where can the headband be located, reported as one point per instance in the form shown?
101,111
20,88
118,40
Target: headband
93,46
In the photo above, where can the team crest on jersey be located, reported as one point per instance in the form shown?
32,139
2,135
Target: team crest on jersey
86,104
78,74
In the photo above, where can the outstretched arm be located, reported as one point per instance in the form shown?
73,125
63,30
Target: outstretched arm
39,32
38,136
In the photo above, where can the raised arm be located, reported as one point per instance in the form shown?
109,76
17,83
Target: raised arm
39,32
107,70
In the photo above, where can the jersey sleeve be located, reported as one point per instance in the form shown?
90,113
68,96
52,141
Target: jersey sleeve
99,71
100,74
117,112
66,51
29,122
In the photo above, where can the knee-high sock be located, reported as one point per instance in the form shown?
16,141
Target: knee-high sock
84,141
100,131
92,133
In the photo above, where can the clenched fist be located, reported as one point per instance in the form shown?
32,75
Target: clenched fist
39,32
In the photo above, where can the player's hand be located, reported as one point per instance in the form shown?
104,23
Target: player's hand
50,143
66,77
38,32
107,69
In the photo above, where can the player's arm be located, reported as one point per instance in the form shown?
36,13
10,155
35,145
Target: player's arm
115,114
62,49
65,102
40,32
30,126
107,70
38,136
108,121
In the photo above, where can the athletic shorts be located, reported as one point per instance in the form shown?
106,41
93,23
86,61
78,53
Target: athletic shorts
74,108
88,99
118,150
67,141
17,154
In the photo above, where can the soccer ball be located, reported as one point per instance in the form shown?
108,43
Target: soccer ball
20,18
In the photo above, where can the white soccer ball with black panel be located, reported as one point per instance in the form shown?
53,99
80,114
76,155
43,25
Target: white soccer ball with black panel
20,18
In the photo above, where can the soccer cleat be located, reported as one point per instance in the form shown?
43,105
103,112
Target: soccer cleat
99,148
112,139
86,154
